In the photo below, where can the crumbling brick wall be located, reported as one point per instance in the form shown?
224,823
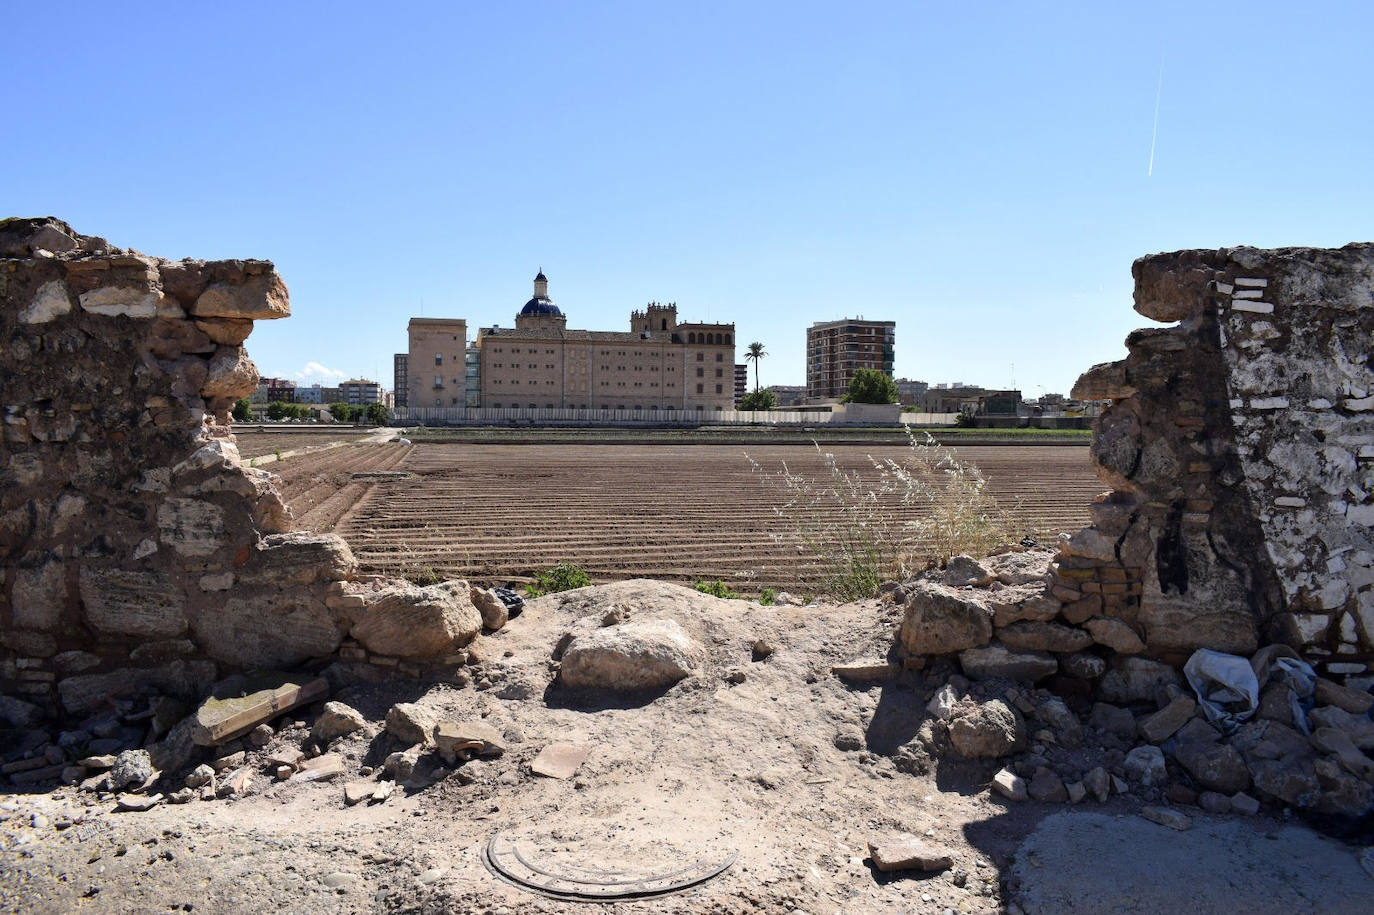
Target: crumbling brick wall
136,552
1240,451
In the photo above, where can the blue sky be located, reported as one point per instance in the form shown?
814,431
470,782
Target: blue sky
975,172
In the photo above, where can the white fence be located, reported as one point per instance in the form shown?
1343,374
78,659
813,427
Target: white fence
507,416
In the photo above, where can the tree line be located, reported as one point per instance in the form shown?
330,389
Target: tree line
374,413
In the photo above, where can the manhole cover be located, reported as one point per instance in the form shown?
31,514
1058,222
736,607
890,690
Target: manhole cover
530,869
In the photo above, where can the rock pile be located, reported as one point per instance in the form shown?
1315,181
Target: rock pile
1107,721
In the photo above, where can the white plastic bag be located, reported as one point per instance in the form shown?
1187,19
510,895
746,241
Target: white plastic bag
1226,687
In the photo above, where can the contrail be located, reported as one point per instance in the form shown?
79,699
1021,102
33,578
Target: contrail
1154,134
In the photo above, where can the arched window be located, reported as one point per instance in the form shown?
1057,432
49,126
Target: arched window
665,324
727,339
691,338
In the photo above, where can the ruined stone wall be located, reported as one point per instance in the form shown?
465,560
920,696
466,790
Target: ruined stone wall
135,550
1240,452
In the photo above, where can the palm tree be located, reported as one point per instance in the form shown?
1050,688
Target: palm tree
756,352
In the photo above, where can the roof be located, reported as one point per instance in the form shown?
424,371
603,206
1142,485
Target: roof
541,305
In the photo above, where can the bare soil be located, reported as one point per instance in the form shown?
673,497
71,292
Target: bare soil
744,758
500,513
707,767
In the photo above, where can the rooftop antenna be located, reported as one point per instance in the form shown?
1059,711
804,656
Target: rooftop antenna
1013,376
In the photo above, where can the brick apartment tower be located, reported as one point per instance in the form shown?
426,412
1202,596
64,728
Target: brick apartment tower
836,349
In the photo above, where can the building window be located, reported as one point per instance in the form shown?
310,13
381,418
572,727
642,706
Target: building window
720,357
701,357
700,372
717,389
718,375
700,388
438,359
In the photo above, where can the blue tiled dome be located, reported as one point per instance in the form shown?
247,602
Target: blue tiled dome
541,305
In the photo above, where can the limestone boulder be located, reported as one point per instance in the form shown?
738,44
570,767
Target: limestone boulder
942,620
278,627
494,612
336,720
132,602
998,660
1104,381
1020,567
1116,635
1137,679
637,655
298,558
411,723
1145,765
1214,766
226,331
260,297
987,731
963,571
231,374
406,621
1028,601
1029,635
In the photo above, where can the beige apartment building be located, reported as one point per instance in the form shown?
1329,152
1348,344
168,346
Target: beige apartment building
434,368
658,364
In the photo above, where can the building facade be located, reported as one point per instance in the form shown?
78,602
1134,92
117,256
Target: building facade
975,401
436,374
359,391
274,390
836,349
788,395
910,391
741,382
400,363
658,364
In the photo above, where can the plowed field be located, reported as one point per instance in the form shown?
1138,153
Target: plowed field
499,513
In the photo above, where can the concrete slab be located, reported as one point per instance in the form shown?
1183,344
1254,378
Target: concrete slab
1088,863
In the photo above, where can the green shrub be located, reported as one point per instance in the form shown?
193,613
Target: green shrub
871,386
563,577
767,596
716,588
759,400
965,421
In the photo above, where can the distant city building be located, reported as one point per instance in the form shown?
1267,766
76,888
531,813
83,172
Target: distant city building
659,364
360,391
330,395
436,374
788,395
472,377
741,382
835,350
312,394
972,400
910,392
400,384
273,390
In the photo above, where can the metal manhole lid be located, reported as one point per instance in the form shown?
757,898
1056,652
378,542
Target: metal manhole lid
561,880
